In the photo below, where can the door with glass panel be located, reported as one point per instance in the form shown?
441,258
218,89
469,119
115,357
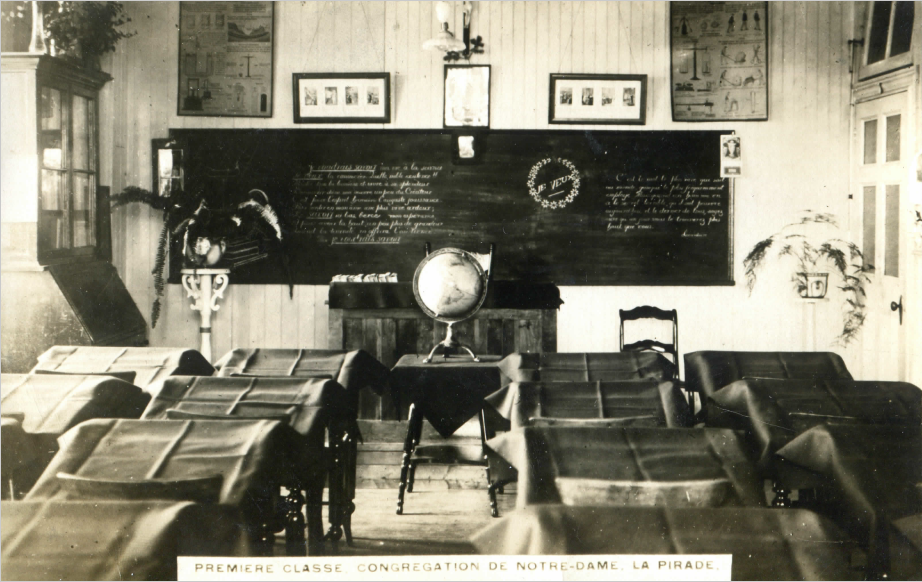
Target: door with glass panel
883,136
885,139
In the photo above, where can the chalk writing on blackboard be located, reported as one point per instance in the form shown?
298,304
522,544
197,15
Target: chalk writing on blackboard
655,203
554,183
651,208
342,204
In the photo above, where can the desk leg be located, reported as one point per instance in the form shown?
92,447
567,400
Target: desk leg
264,532
351,448
315,520
294,522
491,486
414,430
337,486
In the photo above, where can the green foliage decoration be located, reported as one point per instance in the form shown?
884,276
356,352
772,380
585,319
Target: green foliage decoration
806,241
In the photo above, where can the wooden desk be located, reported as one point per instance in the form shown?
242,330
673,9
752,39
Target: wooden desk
384,320
448,392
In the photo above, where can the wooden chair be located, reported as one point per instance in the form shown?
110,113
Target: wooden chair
648,312
670,349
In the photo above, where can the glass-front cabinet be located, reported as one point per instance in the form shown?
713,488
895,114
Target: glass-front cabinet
51,160
58,284
69,167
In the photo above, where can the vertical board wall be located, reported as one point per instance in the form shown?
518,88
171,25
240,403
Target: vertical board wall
797,160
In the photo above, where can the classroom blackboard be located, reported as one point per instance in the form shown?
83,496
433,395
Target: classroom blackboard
563,207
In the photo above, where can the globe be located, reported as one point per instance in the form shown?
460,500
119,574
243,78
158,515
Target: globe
450,286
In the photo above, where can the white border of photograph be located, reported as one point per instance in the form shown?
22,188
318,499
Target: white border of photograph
731,156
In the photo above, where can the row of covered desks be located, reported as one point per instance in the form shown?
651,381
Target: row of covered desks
616,443
613,444
228,443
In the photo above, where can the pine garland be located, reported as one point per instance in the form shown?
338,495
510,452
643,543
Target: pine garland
159,266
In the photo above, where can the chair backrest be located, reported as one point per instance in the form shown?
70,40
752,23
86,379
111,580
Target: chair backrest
649,312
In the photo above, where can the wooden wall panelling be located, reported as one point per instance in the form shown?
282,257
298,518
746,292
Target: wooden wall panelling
257,315
321,315
273,309
317,36
303,308
519,69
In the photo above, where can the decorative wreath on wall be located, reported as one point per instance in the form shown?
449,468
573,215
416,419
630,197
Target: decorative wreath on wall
574,181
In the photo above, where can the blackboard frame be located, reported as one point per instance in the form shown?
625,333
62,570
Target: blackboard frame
717,270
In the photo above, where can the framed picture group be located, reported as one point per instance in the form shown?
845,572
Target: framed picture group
598,99
342,97
718,72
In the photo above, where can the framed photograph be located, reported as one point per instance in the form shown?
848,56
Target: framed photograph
467,96
225,59
342,97
598,99
719,68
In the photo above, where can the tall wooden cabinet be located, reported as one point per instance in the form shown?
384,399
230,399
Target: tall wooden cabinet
57,285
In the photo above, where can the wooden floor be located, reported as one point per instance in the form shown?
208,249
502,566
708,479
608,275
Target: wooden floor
433,522
447,506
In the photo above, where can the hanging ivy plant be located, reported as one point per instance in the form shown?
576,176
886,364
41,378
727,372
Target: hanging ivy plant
808,242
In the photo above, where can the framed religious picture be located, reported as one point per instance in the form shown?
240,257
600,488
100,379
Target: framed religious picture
719,68
342,97
598,99
225,59
467,96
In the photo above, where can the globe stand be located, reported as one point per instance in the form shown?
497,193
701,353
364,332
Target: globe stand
449,344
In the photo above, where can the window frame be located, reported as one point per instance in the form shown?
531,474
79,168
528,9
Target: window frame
888,63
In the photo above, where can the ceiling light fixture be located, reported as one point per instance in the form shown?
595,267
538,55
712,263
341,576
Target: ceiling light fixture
446,42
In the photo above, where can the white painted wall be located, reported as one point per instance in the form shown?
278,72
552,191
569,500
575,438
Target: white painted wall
796,160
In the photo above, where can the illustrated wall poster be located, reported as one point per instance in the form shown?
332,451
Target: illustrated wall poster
731,156
225,59
719,64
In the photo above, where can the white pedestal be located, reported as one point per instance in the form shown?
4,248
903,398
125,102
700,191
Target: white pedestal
205,287
810,323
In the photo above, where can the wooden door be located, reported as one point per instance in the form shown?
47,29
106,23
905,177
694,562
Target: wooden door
884,140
